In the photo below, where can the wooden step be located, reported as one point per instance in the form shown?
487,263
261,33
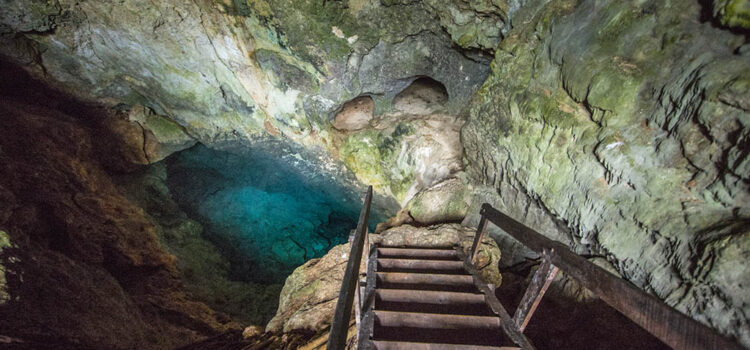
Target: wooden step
418,253
420,265
402,345
433,297
474,337
440,302
425,281
436,321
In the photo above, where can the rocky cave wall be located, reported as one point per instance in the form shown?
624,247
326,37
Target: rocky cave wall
81,266
247,69
619,128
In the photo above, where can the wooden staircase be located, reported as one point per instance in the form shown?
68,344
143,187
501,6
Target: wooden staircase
426,299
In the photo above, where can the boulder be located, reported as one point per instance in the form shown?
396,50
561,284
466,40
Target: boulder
446,201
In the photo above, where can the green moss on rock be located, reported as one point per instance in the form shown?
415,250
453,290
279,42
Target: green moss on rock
608,118
4,243
373,156
733,13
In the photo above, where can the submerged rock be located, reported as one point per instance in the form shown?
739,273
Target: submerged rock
203,268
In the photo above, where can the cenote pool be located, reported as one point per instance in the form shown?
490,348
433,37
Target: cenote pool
269,208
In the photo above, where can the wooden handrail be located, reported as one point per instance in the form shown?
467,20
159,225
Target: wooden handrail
665,323
349,285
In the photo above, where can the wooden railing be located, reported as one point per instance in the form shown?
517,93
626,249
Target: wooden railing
349,293
650,313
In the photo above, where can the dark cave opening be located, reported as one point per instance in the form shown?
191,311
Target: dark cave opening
422,96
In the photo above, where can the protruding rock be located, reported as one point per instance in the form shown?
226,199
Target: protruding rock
732,13
447,201
252,332
162,136
404,154
308,299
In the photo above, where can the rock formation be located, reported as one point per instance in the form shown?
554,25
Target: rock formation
80,264
618,128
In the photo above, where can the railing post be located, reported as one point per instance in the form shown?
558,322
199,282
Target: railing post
478,236
350,283
535,291
665,323
357,297
358,291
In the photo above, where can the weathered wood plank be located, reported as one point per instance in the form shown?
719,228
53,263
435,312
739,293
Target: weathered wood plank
478,236
667,324
534,293
506,322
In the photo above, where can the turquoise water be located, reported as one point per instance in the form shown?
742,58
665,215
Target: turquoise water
268,209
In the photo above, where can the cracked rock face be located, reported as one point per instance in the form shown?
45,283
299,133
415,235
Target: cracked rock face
619,129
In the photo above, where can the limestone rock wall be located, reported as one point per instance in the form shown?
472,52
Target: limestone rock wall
203,269
617,127
250,70
621,129
80,264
